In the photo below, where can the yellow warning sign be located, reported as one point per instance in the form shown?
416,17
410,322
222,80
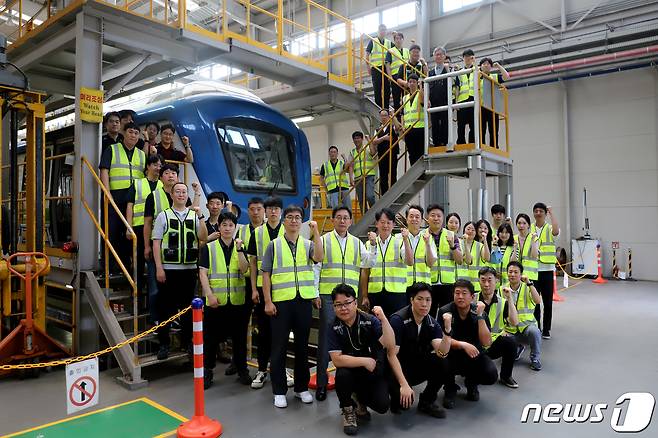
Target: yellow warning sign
91,105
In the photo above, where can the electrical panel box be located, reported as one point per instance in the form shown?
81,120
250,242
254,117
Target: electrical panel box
583,255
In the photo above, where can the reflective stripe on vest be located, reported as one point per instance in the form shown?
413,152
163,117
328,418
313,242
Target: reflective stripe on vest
413,116
226,282
124,172
292,275
495,315
359,162
443,271
466,86
245,234
379,50
470,272
160,201
333,174
340,266
398,58
179,243
530,265
262,240
546,244
419,271
502,266
389,272
142,190
525,308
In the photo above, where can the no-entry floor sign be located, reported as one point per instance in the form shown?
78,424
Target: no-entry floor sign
81,385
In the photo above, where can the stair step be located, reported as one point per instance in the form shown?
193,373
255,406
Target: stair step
152,359
125,316
115,296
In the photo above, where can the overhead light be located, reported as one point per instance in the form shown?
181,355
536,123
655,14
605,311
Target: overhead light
303,119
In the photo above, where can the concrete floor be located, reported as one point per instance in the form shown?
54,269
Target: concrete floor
603,345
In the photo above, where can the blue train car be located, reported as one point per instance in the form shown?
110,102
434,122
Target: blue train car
241,146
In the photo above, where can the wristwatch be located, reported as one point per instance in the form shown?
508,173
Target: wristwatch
530,283
448,333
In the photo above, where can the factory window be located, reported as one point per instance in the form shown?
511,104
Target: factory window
453,5
399,15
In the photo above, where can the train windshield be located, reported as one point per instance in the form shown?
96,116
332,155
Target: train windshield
259,155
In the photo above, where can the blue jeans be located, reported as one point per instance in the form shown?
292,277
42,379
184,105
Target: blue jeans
152,285
327,316
532,337
334,201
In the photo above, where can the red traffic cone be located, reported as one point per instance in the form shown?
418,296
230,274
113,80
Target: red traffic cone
599,279
556,296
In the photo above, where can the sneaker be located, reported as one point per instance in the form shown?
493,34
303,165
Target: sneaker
231,370
207,378
535,365
473,394
280,401
546,335
163,352
509,382
362,413
290,379
259,380
244,378
431,409
304,396
449,398
350,426
519,351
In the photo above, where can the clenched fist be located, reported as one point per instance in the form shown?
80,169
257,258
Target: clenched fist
313,226
372,237
480,308
378,312
405,233
238,243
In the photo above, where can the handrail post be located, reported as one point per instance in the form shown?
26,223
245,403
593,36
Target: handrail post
477,110
426,93
279,27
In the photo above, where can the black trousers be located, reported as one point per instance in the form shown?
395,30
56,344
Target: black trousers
371,388
381,86
264,338
476,371
430,368
233,321
294,315
439,128
397,93
505,347
384,166
175,294
141,262
465,118
389,302
117,237
442,294
544,286
488,125
415,142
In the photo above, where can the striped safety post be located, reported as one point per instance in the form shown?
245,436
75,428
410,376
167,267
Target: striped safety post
630,265
599,279
199,426
556,296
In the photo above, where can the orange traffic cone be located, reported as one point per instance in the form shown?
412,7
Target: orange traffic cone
313,382
556,296
599,279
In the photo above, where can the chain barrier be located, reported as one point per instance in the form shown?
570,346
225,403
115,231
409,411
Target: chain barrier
570,276
26,366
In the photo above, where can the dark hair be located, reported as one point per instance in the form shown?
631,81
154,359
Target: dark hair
356,134
483,60
168,126
152,123
169,166
497,208
524,216
487,270
273,201
540,205
333,146
385,212
414,47
434,207
448,58
339,208
468,52
464,283
152,159
131,125
418,287
453,215
178,183
292,208
127,112
227,216
111,114
217,195
510,240
470,223
254,200
489,231
413,76
343,289
515,263
415,207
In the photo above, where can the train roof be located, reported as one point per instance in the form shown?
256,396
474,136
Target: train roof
205,88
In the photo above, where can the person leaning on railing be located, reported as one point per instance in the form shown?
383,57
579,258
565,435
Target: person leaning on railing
375,58
415,66
489,119
388,150
362,170
414,120
464,83
395,58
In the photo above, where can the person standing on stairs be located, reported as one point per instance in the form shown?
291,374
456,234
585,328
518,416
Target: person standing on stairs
414,120
396,57
333,175
376,51
362,170
388,149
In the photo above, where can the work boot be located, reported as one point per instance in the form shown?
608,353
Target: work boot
362,413
431,409
244,377
449,398
350,427
472,394
231,370
163,352
207,378
509,382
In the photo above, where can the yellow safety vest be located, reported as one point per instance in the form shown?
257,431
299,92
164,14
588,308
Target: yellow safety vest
466,87
502,266
496,310
124,172
389,272
530,265
332,176
292,275
340,266
443,271
398,58
226,282
413,115
245,233
419,271
493,76
379,50
359,163
262,237
546,244
142,190
180,244
160,201
470,272
525,307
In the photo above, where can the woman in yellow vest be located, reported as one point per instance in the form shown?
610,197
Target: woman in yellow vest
505,247
413,120
289,292
527,245
222,264
476,255
485,237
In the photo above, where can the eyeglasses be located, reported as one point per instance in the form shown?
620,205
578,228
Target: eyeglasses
294,218
344,305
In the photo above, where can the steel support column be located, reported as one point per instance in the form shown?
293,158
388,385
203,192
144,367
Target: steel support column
477,184
566,153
